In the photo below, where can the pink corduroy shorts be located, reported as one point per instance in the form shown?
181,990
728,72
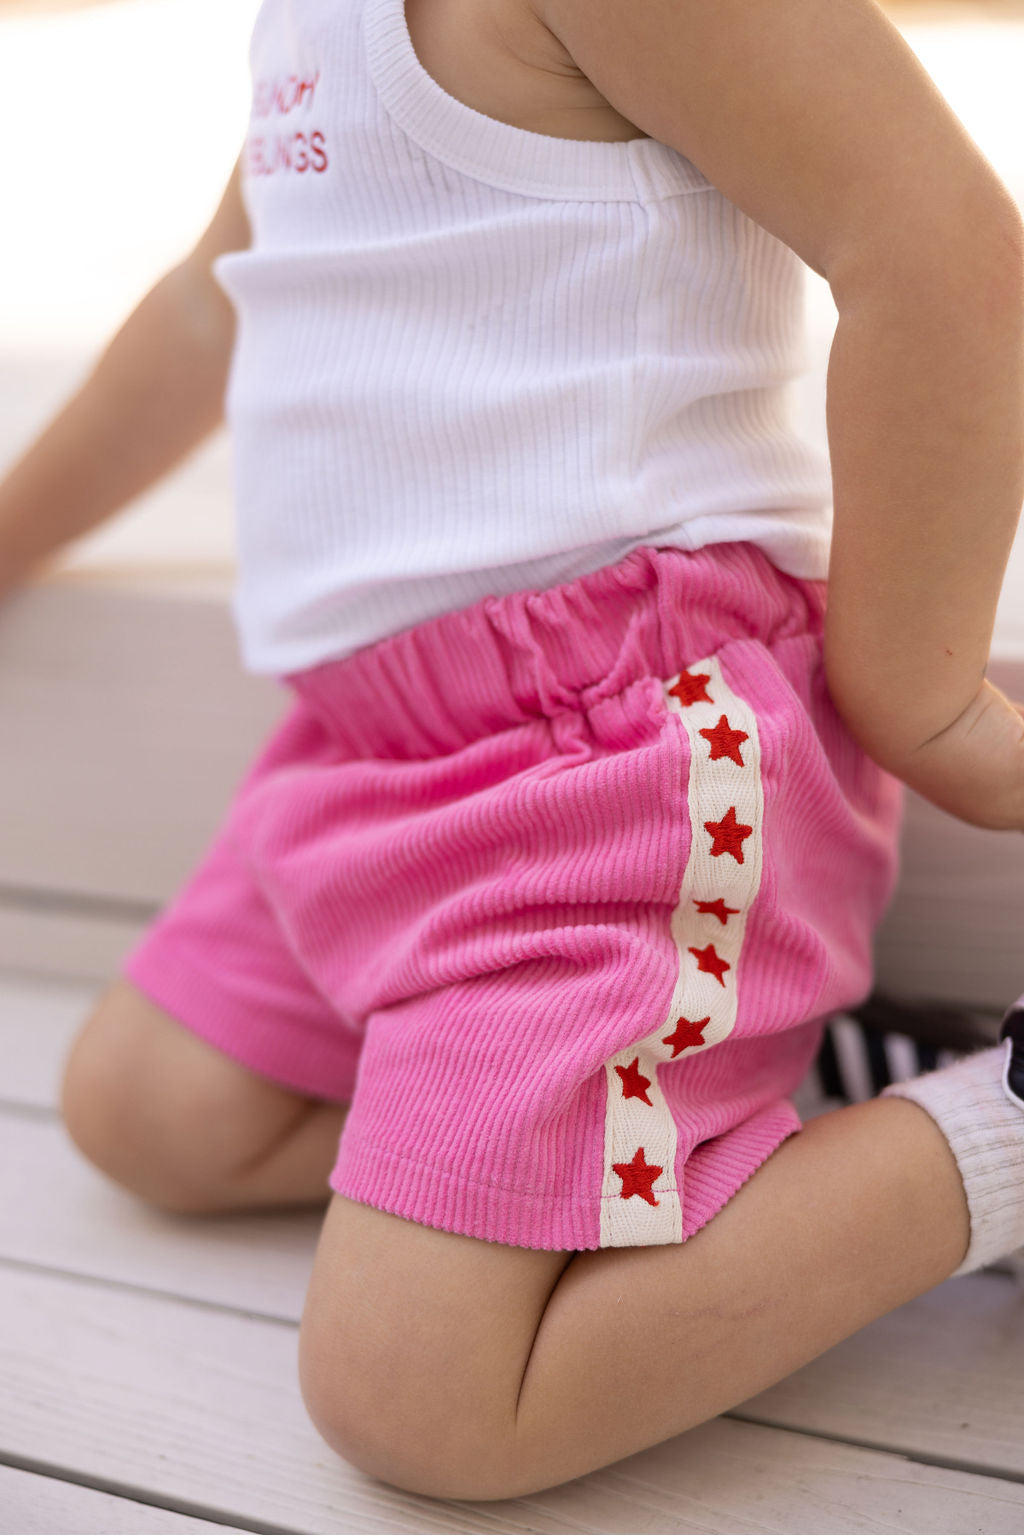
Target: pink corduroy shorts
556,891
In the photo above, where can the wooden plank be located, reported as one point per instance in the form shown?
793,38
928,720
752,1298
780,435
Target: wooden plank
50,940
202,1409
58,1211
38,1020
796,1486
959,1349
44,1505
134,725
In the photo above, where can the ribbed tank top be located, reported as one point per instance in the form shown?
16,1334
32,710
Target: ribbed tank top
472,359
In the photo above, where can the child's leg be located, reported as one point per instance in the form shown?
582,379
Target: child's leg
169,1117
467,1369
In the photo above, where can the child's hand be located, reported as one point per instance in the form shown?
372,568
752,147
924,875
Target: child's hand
975,767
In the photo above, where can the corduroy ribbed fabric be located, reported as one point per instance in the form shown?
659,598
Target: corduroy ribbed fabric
557,890
473,359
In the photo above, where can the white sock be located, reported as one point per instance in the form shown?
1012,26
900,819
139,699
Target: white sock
977,1111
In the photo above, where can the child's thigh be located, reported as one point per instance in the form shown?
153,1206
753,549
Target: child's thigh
414,1344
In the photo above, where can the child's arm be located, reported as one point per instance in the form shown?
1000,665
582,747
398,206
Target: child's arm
816,119
155,393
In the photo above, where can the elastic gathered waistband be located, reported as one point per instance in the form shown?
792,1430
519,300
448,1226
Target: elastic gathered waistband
479,670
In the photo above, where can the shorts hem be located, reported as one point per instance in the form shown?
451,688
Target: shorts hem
300,1061
767,1132
432,1196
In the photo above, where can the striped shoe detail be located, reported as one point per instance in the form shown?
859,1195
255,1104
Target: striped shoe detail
855,1063
640,1204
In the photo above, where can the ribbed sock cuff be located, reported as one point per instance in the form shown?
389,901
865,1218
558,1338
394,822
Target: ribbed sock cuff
983,1121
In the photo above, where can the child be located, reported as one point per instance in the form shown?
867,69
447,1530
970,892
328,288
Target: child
523,926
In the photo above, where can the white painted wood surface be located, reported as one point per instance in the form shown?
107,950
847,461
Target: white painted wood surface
201,1408
44,937
258,1264
154,1357
128,725
34,1504
147,1362
37,1022
960,1349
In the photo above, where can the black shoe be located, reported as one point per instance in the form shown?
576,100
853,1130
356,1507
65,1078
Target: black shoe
1013,1075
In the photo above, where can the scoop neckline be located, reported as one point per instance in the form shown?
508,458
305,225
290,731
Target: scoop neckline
517,159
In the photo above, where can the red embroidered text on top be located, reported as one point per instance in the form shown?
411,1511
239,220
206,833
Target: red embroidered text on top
473,359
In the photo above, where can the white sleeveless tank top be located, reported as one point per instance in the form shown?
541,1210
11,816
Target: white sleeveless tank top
473,359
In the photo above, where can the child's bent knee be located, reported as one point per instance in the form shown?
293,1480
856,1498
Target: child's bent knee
107,1101
161,1112
433,1461
412,1350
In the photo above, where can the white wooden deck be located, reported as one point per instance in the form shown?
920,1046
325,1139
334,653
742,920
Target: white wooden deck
148,1369
148,1381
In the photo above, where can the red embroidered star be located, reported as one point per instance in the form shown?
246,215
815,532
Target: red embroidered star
637,1177
728,834
717,909
634,1085
686,1033
710,963
725,742
690,689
